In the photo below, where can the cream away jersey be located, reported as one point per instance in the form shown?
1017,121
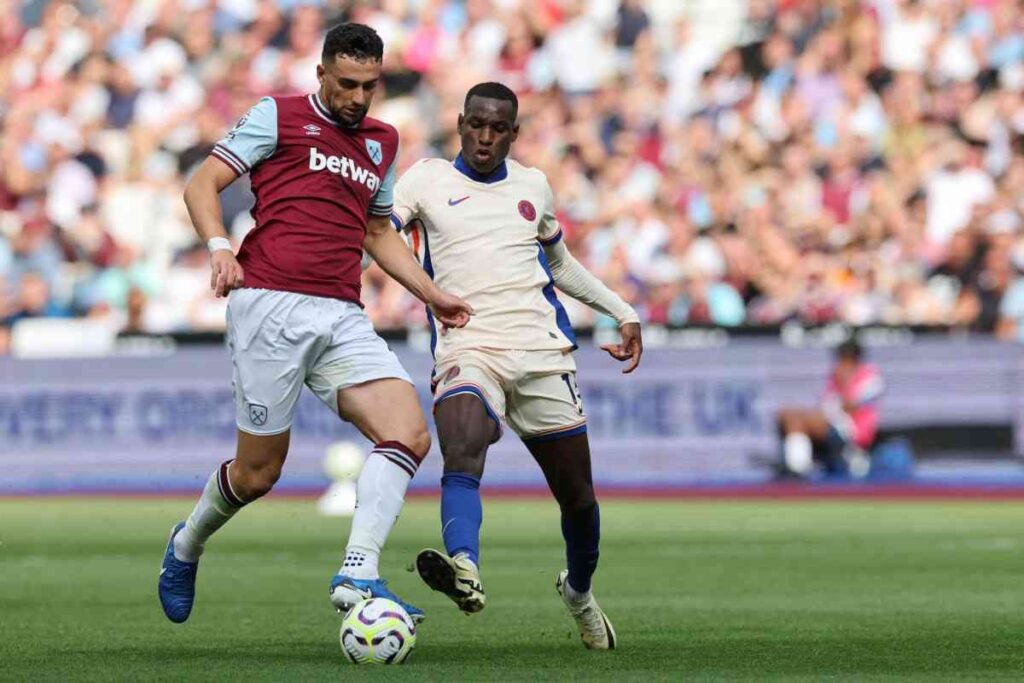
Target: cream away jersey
481,238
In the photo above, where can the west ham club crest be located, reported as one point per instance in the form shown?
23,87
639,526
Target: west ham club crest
375,151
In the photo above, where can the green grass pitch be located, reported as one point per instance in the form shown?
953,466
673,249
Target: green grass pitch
697,590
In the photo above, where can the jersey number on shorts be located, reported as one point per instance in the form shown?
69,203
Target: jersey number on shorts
574,391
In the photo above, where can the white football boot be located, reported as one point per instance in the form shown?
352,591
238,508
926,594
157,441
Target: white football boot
596,631
457,577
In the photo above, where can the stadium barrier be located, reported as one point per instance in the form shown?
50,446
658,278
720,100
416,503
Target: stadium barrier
153,423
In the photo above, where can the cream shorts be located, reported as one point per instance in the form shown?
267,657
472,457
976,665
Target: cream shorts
535,392
282,340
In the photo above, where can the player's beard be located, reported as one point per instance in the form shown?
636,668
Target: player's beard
352,120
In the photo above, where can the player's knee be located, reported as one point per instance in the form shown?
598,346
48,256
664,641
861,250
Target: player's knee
580,505
464,455
419,442
256,482
266,479
574,493
413,436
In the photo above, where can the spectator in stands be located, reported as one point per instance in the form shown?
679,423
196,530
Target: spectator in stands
856,161
32,299
842,427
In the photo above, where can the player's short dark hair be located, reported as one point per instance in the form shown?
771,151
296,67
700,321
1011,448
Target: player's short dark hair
850,349
358,41
493,91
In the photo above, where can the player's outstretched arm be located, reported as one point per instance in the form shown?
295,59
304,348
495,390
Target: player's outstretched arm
572,278
392,254
202,197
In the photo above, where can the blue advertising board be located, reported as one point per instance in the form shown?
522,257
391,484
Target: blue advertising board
153,424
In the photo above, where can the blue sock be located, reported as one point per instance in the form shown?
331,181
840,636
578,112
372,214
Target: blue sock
582,533
461,514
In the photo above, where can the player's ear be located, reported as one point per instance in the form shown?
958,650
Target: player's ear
515,132
459,126
320,73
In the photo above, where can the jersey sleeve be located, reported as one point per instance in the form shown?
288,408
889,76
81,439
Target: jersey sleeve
384,198
406,205
253,139
549,232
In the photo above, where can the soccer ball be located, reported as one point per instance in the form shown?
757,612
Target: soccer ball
377,631
344,460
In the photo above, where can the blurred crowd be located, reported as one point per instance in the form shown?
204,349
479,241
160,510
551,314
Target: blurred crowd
726,162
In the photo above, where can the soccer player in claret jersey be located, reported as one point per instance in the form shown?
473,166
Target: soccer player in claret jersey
323,175
485,228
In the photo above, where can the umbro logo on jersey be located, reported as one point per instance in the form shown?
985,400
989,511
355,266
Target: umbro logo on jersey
344,167
311,129
456,202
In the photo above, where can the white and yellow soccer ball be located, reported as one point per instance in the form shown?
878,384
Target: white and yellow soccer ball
377,631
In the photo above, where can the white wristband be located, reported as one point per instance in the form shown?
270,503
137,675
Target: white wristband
367,260
218,243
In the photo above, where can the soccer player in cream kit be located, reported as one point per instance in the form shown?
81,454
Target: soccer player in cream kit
484,227
323,175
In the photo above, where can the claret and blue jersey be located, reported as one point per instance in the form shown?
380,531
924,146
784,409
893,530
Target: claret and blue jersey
316,183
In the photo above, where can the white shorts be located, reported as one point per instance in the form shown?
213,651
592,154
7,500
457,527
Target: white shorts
535,392
282,340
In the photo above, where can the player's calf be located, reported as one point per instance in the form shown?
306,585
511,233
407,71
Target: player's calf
566,466
581,530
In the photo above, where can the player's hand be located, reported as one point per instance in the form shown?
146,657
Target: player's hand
450,310
631,348
225,272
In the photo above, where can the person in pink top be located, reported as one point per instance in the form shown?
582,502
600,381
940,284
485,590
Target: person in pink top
847,418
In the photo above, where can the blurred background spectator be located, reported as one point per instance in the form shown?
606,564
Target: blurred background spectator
742,162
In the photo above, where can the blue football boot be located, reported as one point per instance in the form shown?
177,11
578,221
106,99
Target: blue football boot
345,592
177,582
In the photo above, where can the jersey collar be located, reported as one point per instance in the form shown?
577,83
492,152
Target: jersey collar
321,109
500,173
